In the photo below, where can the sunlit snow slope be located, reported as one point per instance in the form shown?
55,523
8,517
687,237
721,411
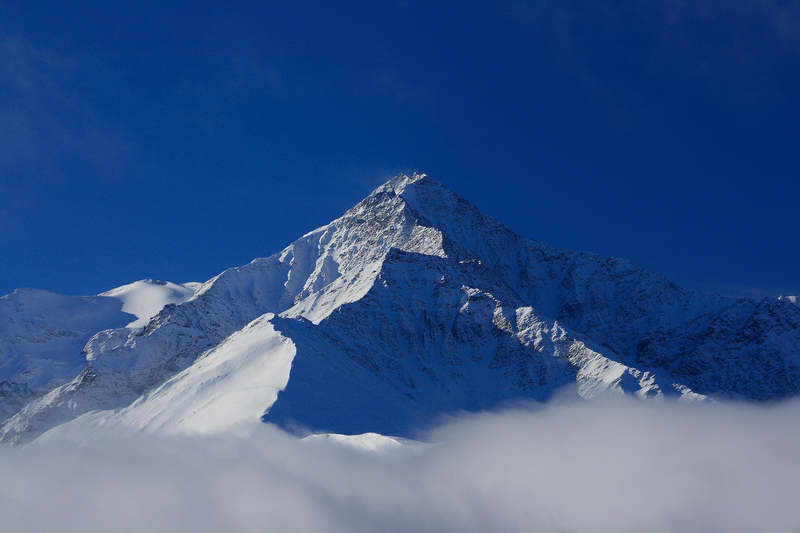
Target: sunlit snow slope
42,334
145,298
410,305
223,390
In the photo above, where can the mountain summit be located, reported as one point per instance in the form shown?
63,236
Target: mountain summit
411,304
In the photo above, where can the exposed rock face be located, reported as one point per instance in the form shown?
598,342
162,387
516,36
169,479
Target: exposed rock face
414,303
41,337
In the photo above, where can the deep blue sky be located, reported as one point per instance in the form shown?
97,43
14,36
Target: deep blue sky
172,142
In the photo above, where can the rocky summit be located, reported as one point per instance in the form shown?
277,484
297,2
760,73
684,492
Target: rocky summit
411,305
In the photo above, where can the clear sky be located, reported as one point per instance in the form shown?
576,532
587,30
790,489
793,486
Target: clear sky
140,140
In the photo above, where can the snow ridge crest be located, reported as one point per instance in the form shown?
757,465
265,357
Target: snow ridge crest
414,302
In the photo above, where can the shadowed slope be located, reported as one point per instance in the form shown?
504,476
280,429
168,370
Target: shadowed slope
414,302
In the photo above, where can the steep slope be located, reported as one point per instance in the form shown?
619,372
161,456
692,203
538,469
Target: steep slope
323,269
41,338
414,303
378,364
746,350
393,366
42,334
223,390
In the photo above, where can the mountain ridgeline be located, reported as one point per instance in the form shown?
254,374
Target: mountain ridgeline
410,305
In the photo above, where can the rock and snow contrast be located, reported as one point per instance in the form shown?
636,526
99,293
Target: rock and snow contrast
410,305
791,299
42,334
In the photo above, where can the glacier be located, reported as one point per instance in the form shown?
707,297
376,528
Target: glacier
411,305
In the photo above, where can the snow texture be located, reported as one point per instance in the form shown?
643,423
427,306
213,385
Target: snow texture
411,305
145,298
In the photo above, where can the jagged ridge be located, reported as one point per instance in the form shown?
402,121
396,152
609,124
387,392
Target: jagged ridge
414,302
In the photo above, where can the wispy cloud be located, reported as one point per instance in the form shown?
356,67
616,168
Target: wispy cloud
236,72
45,122
721,43
739,30
589,467
392,82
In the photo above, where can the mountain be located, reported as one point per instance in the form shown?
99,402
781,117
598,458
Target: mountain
145,298
42,333
410,305
790,299
41,337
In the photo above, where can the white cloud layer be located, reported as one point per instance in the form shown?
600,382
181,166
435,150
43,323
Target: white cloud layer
606,466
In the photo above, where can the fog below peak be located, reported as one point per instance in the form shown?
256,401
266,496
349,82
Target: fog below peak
611,465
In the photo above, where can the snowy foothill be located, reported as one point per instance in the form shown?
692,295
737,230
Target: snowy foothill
43,334
367,442
145,298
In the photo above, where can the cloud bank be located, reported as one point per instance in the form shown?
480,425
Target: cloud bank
606,466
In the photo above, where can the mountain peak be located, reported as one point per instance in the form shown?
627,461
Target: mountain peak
410,303
400,182
434,205
427,196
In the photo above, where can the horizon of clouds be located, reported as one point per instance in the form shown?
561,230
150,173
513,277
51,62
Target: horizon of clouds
611,465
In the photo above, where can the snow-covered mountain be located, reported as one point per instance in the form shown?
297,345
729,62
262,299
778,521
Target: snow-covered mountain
412,304
41,337
42,334
790,298
145,298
